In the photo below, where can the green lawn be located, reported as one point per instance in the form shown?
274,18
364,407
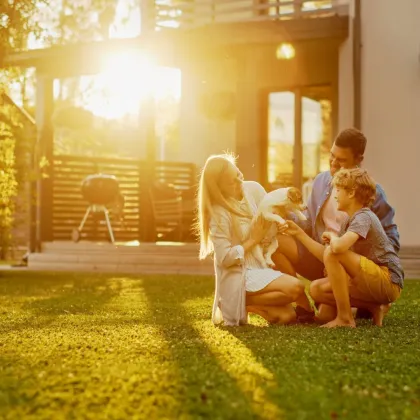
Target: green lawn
87,346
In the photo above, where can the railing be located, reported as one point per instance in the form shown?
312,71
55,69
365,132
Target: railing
192,13
69,207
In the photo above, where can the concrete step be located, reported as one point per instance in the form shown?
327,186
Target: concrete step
122,268
159,258
117,258
411,268
67,247
410,253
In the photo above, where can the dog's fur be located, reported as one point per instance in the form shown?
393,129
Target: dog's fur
274,207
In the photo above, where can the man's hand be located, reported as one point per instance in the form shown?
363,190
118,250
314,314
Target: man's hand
327,237
259,229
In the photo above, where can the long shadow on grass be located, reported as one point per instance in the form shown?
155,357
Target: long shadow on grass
44,296
14,390
314,365
205,387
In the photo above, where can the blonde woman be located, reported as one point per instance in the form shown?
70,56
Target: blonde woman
226,206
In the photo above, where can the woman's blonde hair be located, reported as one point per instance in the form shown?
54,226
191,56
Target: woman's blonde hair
359,181
209,195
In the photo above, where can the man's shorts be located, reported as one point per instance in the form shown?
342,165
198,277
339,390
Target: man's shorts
373,284
308,265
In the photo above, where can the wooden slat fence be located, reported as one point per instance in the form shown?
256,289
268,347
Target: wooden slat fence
69,207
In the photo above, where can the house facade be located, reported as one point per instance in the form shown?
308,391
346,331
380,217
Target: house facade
273,81
367,76
390,104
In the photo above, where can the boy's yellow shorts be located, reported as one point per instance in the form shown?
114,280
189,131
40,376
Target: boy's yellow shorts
373,284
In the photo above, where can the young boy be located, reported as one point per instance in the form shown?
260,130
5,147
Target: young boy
363,269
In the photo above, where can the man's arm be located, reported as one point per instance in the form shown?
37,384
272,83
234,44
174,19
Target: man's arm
386,215
312,205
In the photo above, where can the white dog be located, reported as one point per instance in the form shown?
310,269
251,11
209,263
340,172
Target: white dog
274,207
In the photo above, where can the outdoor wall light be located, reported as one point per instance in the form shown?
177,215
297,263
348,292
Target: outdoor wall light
285,51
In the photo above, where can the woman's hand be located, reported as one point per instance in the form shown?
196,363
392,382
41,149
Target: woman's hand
293,229
258,230
282,228
327,237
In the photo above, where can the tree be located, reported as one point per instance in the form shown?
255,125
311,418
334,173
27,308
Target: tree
17,24
39,23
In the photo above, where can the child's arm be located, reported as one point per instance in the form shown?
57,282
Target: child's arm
315,248
343,243
358,228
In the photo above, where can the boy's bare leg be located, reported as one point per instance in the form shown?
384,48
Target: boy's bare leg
322,292
378,311
338,277
351,263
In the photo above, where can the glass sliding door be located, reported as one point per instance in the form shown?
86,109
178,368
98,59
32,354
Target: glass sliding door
281,138
316,130
299,135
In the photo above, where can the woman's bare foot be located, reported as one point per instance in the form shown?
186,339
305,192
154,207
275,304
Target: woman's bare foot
379,312
339,322
274,315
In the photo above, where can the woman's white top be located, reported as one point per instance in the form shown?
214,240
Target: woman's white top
236,272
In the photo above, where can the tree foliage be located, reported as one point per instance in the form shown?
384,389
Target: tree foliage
41,23
17,25
15,142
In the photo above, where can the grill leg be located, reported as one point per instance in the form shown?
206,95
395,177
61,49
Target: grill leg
85,218
108,223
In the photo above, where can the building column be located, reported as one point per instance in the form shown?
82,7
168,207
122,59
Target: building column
298,147
147,131
147,134
44,163
249,130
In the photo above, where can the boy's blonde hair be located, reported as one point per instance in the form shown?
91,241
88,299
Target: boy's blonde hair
210,195
358,180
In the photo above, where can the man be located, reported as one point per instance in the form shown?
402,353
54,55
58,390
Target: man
347,152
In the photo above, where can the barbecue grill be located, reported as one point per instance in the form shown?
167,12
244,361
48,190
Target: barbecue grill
99,190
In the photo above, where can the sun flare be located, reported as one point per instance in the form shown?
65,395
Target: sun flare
127,79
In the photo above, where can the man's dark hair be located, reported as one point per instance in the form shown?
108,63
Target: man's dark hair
353,139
